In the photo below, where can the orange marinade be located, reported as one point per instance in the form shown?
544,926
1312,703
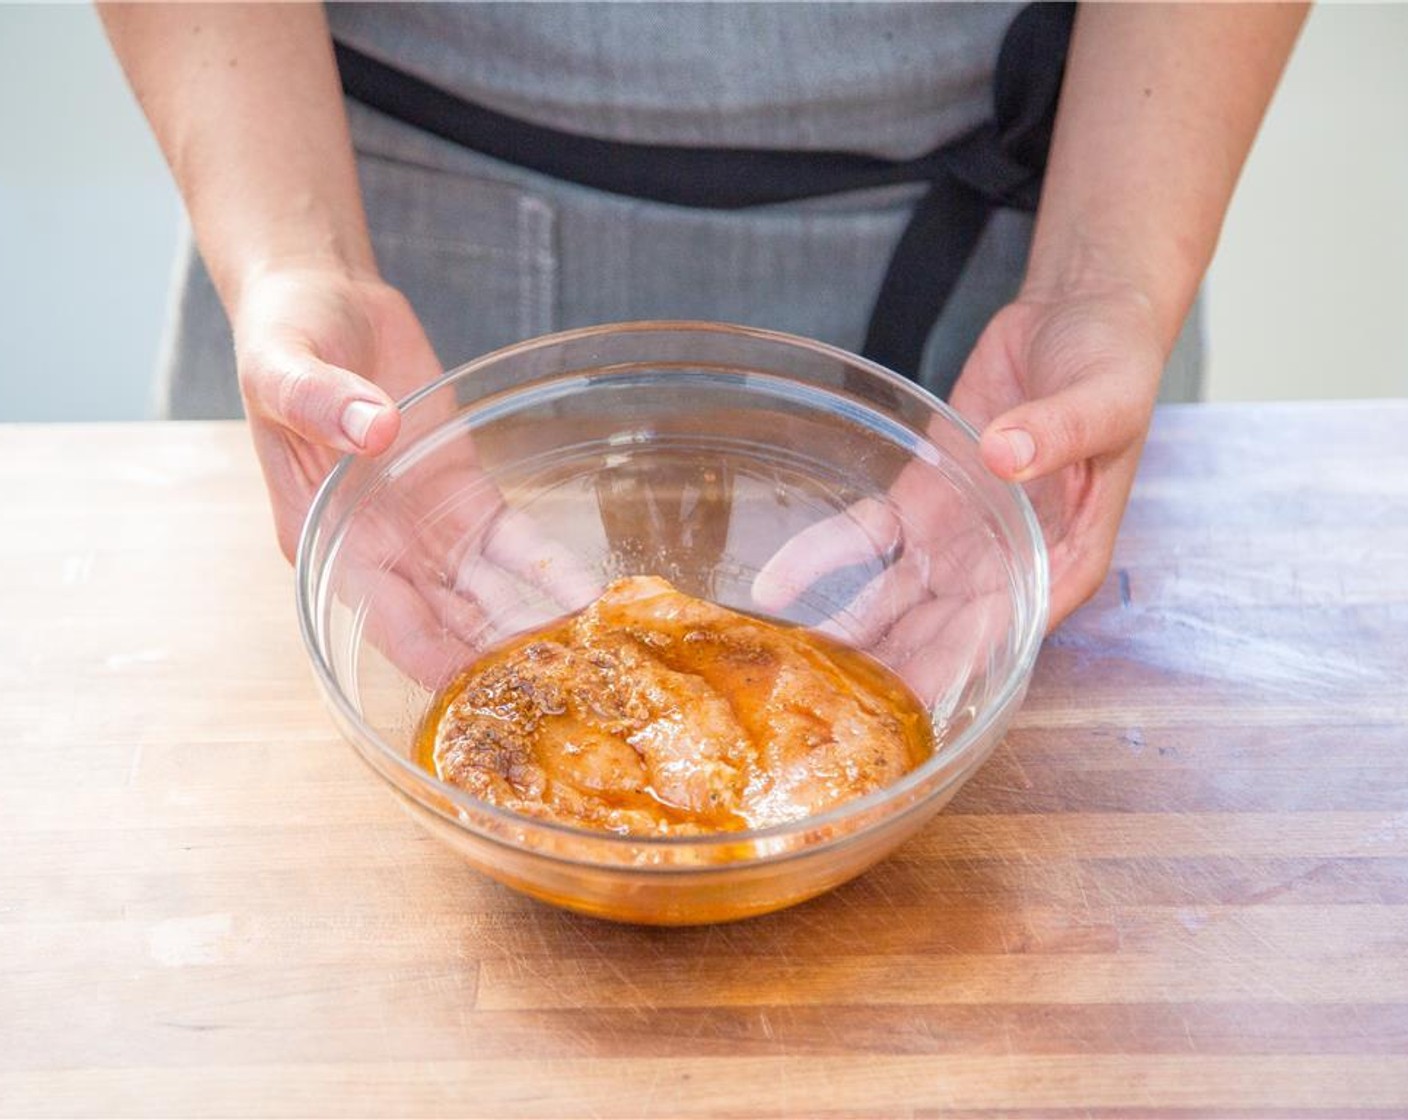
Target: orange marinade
654,713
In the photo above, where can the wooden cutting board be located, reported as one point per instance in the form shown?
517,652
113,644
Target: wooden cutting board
1180,888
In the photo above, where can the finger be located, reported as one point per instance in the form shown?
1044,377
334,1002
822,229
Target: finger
1102,412
466,617
1080,551
916,632
289,480
941,672
1080,560
324,404
866,532
876,607
471,596
413,632
415,621
517,543
501,601
937,648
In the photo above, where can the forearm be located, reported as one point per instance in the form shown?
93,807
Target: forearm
245,103
1160,105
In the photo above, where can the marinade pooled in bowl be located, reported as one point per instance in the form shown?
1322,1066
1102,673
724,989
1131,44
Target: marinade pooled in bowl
654,713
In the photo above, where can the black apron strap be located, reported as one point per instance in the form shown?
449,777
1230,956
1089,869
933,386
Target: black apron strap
997,164
704,178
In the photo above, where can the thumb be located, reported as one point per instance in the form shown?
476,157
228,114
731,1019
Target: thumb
1102,413
325,404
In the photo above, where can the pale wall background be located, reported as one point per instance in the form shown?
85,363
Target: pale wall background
88,223
1308,297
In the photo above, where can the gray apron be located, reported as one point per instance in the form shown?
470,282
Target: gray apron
489,253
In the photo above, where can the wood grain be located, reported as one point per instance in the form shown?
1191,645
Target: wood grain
1179,888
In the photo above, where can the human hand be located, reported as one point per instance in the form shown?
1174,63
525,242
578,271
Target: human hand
1063,390
439,559
1079,377
322,357
913,579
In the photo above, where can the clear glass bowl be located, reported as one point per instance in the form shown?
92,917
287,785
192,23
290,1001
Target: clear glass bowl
695,451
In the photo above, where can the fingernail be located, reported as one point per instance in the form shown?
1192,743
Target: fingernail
1022,447
357,420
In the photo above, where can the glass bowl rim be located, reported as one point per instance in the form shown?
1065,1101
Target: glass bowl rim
370,744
